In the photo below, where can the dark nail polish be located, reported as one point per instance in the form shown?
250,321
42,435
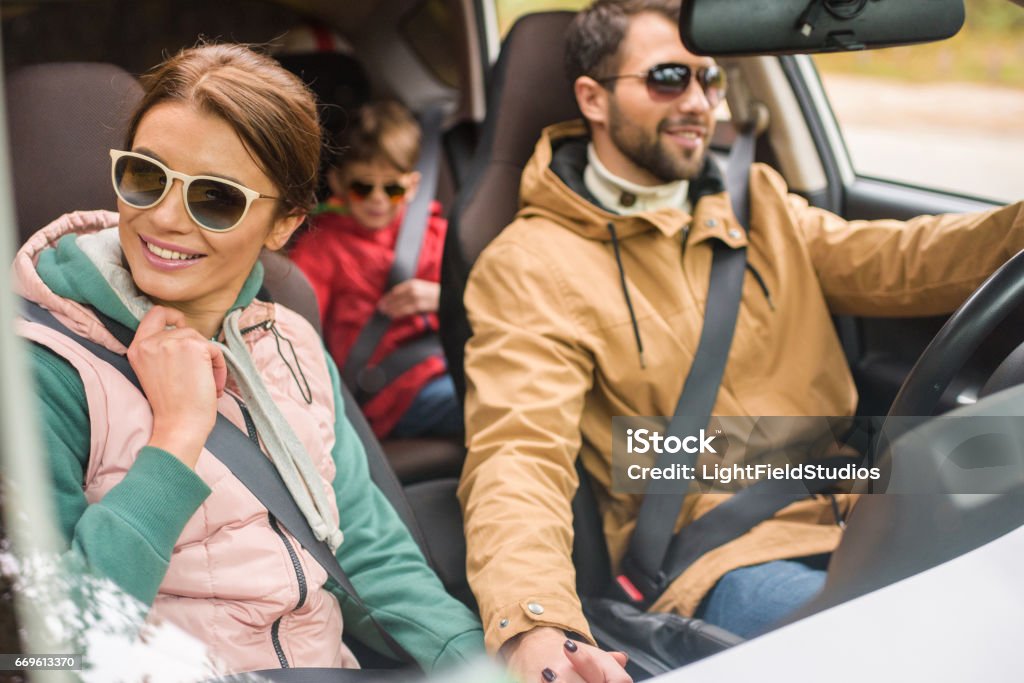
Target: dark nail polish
571,646
548,675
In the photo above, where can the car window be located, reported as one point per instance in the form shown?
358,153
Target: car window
430,29
942,115
510,10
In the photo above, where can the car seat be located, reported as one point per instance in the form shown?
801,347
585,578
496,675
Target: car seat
341,84
62,119
530,62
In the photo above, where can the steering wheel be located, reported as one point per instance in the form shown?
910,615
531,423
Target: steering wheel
959,338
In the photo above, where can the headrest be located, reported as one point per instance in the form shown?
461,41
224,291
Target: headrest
62,120
529,91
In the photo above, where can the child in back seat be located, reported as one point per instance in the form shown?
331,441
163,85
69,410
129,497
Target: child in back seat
347,256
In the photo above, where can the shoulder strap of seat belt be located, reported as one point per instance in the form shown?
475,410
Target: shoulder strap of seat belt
374,378
642,564
407,246
249,465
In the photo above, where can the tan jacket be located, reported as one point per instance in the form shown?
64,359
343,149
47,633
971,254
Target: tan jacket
553,358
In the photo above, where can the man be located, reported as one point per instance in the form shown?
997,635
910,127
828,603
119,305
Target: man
590,305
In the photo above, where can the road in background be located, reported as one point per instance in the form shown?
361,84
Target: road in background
961,137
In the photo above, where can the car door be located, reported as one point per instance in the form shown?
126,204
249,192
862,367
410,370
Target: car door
918,130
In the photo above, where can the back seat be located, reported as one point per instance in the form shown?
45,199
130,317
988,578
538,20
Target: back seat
341,84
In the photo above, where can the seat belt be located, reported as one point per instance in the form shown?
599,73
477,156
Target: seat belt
245,460
656,556
734,517
642,573
363,379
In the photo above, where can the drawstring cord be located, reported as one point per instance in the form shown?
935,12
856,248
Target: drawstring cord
307,393
625,292
297,373
764,286
282,444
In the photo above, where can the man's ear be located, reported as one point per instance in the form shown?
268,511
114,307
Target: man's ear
592,99
282,230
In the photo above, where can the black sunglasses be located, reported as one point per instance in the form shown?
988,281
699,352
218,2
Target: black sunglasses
360,190
668,81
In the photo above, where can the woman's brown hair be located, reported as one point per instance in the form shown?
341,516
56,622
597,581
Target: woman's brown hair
271,110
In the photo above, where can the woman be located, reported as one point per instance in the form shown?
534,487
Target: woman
220,161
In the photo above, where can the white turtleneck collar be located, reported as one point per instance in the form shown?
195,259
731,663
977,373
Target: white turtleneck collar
624,197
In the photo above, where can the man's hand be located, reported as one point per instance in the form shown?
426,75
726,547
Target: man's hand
543,654
409,298
182,374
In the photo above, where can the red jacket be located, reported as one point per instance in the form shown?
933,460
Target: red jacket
348,266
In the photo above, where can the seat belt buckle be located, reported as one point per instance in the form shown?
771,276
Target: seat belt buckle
629,589
633,586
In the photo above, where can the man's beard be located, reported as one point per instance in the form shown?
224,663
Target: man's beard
651,153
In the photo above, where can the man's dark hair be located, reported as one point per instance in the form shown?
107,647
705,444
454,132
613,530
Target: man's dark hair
593,39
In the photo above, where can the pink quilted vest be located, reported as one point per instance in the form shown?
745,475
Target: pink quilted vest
231,576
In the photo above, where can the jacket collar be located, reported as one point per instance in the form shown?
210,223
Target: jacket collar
75,263
553,187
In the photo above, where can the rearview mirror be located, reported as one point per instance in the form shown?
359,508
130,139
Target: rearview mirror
744,27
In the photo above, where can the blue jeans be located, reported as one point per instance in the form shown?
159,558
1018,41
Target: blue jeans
748,600
434,412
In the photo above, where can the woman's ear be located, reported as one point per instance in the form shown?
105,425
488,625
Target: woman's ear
592,99
282,231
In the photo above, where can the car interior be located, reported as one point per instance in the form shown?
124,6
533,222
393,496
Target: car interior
68,92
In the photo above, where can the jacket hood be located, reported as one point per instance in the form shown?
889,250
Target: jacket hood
552,187
75,263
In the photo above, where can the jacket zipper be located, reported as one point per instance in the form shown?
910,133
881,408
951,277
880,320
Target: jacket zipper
300,576
265,325
295,561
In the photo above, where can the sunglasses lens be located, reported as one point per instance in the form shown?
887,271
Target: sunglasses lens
138,182
360,190
668,80
395,192
215,205
713,82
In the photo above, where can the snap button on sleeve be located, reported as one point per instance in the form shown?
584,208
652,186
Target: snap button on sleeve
535,607
711,223
734,233
503,623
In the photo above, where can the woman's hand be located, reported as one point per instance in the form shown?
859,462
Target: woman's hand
183,375
409,298
543,654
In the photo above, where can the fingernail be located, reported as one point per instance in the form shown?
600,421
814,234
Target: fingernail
624,654
548,675
571,646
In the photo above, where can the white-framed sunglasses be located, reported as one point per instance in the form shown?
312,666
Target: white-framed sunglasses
213,203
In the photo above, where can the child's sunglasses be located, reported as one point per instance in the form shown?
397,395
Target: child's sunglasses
213,203
668,81
359,190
